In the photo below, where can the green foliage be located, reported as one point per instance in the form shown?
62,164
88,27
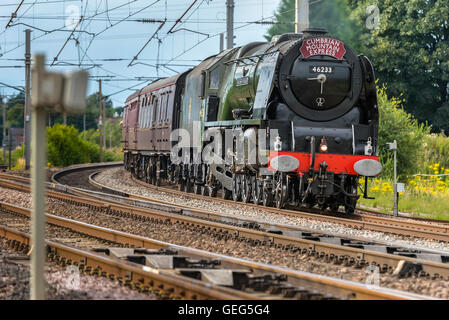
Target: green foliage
410,53
396,124
331,15
92,113
15,155
424,206
436,150
66,147
14,116
113,134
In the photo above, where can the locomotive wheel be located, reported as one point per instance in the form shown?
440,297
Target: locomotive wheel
256,190
281,196
211,191
181,185
334,207
196,189
225,193
267,195
147,174
237,188
246,188
188,185
281,191
323,206
349,209
204,191
350,203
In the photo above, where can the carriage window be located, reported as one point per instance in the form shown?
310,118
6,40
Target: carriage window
164,113
155,109
202,85
145,119
169,106
214,79
164,116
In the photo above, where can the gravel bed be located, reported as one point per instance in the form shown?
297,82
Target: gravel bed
192,238
119,179
14,282
56,233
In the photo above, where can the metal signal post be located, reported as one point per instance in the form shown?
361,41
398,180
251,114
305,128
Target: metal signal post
394,147
57,93
27,112
100,121
4,131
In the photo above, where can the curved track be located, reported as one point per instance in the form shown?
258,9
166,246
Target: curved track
225,226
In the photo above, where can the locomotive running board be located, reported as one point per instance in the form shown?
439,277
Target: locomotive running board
219,171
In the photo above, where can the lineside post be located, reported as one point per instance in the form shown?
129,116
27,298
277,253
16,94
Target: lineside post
9,147
4,132
395,186
100,121
26,126
38,155
58,93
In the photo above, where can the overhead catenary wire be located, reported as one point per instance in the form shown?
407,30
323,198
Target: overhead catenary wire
164,64
182,16
146,43
68,39
14,14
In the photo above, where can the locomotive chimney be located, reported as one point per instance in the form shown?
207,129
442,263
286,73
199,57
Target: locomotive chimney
314,32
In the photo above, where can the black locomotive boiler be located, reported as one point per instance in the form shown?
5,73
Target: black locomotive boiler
306,102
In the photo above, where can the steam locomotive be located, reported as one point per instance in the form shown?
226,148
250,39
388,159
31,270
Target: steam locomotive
291,122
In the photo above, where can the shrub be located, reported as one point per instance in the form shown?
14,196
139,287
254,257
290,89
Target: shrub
436,150
397,124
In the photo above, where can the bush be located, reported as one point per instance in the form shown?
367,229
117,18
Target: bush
66,148
397,124
436,150
113,134
16,154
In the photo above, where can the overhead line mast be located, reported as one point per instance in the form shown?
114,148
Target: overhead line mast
230,23
302,15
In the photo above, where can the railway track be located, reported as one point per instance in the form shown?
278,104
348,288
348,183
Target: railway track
436,229
150,265
351,252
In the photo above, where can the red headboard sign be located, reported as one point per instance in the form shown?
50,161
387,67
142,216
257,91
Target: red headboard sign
323,46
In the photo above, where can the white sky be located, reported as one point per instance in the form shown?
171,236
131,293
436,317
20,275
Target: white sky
124,39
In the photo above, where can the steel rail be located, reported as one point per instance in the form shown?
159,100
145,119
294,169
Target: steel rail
129,273
367,222
336,287
328,251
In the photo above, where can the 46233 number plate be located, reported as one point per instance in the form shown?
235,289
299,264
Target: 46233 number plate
321,69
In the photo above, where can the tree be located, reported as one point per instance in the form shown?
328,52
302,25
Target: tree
397,124
331,15
14,116
92,113
410,51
